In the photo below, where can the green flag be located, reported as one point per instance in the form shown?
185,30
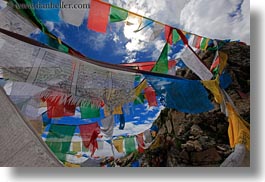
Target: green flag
161,65
59,140
117,14
139,99
176,36
89,111
130,145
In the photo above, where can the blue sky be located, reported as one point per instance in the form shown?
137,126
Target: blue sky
211,18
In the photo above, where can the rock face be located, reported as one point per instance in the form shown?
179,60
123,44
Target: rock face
201,139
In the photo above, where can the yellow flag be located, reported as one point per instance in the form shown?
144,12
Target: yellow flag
68,164
118,144
223,61
238,130
156,143
77,146
140,88
134,20
213,86
117,110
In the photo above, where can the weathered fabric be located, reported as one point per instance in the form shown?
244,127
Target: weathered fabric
74,16
193,62
89,111
187,96
238,130
161,65
89,134
117,14
59,140
140,141
146,23
130,144
46,13
108,126
63,75
56,109
200,42
169,34
118,144
12,21
150,96
98,17
122,121
213,86
147,66
156,31
140,99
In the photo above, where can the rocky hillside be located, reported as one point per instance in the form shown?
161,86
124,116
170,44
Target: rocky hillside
202,139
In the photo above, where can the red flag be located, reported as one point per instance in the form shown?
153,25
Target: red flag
215,63
197,41
98,16
168,34
150,96
89,134
56,108
140,141
147,66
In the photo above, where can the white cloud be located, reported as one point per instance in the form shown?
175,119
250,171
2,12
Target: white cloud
208,18
166,11
132,129
50,26
211,18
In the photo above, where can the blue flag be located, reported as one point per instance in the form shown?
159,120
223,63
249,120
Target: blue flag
187,96
47,10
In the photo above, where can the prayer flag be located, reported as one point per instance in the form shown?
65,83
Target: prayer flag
238,130
89,134
56,108
213,86
76,146
117,14
140,88
98,16
147,66
129,144
118,144
196,41
89,111
47,10
161,65
74,16
140,141
193,63
122,121
176,36
204,43
150,96
108,126
117,110
59,139
169,34
139,99
144,24
187,96
225,80
156,31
